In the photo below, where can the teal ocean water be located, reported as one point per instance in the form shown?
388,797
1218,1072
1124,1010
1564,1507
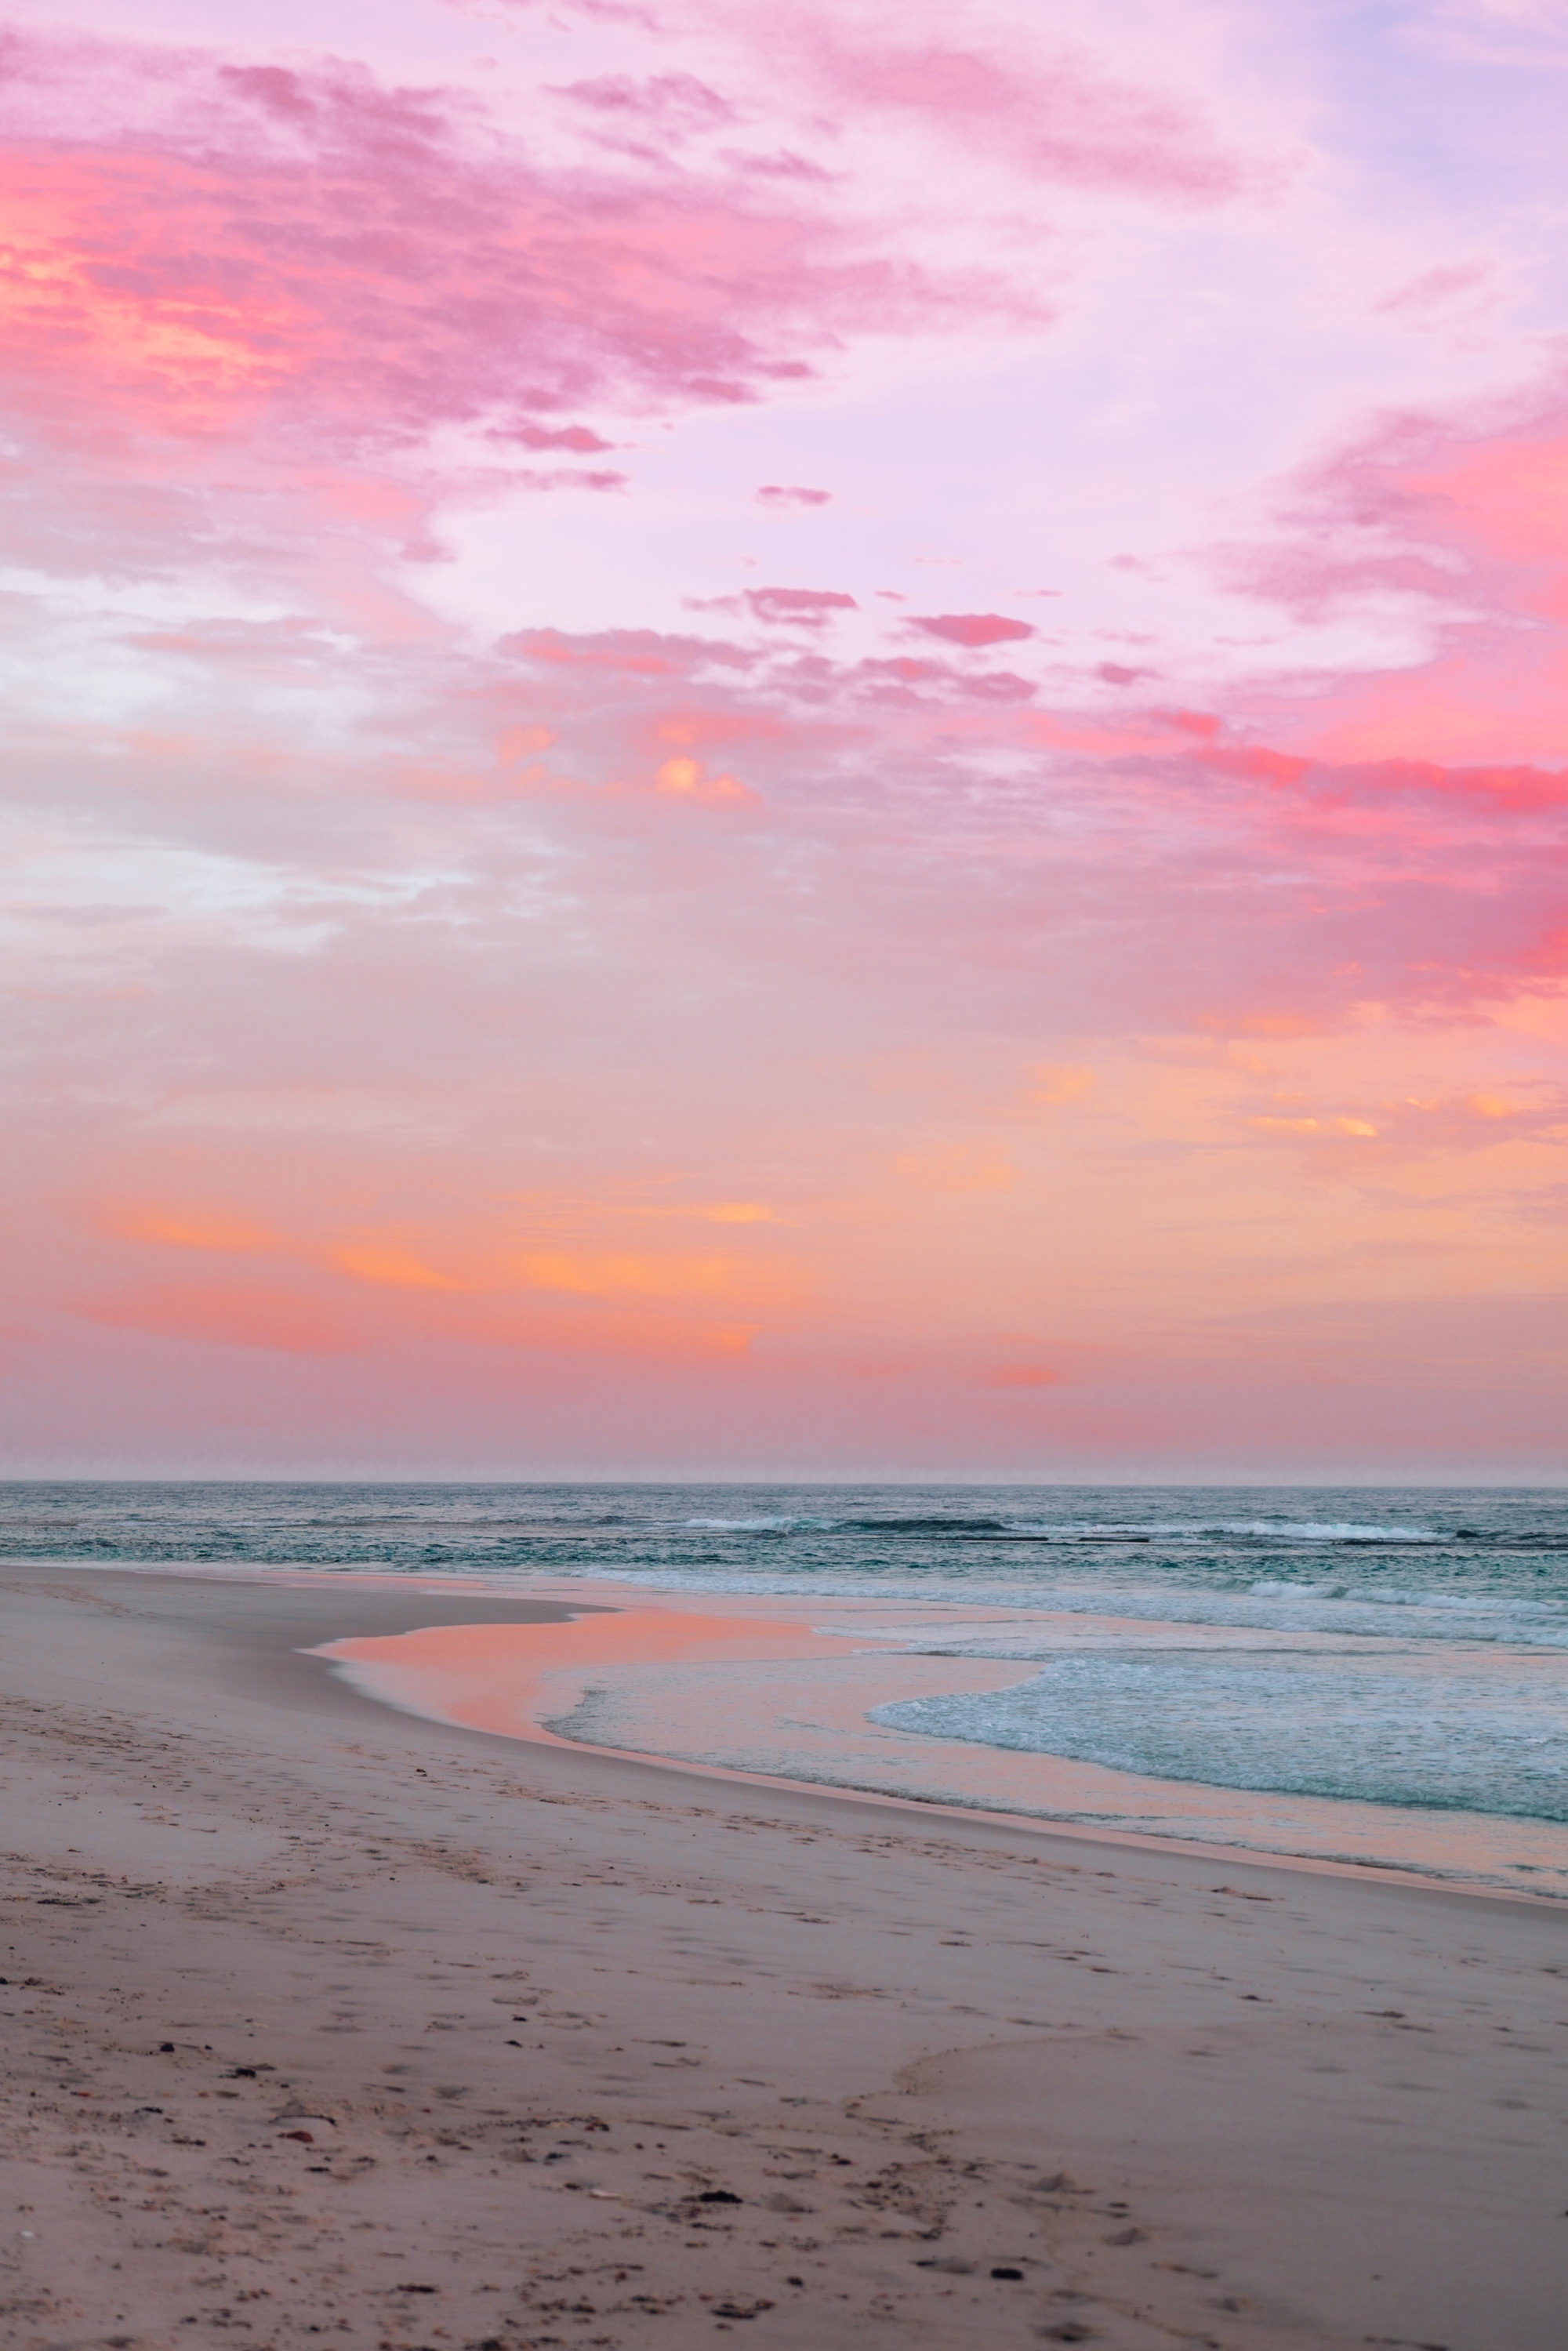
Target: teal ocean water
1402,1648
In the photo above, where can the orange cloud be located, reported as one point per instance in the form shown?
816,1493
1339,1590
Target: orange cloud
194,1230
678,1274
687,779
1054,1083
957,1168
1359,1127
229,1314
1258,1024
634,1339
192,347
386,1263
518,743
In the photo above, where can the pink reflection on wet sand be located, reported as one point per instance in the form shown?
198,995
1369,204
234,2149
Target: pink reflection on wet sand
514,1679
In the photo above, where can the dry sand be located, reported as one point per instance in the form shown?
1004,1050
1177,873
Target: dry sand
324,2022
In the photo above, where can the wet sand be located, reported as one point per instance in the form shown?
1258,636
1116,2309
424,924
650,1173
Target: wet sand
327,2021
793,1689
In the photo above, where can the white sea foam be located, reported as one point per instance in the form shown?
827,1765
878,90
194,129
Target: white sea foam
1492,1739
751,1526
1283,1605
1244,1530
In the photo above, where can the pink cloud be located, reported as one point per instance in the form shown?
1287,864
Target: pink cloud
349,263
1395,507
972,628
1065,121
227,1313
803,608
675,103
576,437
1453,522
632,653
773,494
1435,289
784,165
568,477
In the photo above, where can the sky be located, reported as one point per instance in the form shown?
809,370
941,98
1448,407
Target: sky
810,739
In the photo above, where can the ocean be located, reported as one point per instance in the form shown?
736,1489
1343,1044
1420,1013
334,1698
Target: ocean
1406,1650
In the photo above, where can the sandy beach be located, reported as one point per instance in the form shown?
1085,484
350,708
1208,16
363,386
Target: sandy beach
643,2055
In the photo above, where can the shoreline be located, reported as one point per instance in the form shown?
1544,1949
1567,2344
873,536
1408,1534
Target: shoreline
479,2042
276,1664
496,1694
493,1690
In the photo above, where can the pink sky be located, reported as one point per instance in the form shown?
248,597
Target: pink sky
786,739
